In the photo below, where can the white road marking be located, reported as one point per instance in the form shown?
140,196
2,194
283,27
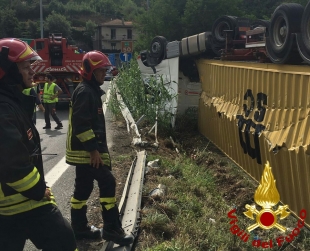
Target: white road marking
55,173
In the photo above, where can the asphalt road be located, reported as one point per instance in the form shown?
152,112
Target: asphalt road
54,142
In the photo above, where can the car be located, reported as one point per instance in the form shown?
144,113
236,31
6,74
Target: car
108,76
111,73
114,71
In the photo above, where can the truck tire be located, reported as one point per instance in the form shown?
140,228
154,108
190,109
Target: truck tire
305,24
285,21
221,24
158,47
303,38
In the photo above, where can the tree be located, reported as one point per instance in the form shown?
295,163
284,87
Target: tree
56,6
260,9
90,29
34,28
108,8
57,23
129,10
161,19
199,15
9,24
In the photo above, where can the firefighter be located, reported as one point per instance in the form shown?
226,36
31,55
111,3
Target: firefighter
27,206
87,150
51,92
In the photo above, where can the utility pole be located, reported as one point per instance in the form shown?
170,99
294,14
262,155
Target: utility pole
41,19
147,4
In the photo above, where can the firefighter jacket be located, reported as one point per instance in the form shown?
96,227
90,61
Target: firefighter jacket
28,93
22,183
87,130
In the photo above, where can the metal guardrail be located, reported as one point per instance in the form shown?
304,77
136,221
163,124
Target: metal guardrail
130,202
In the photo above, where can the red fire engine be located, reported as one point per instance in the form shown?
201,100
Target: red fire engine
61,60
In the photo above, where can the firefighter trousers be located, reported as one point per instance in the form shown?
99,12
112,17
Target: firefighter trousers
50,109
47,230
84,183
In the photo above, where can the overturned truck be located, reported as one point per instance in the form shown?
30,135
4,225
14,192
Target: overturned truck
254,102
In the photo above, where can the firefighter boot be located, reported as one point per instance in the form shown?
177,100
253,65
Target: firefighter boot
59,126
112,229
79,225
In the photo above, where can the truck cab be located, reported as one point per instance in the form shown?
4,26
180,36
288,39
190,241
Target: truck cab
61,60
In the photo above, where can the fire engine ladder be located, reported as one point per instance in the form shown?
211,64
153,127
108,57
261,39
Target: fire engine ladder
130,202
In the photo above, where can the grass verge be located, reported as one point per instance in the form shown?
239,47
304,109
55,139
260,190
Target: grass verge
203,186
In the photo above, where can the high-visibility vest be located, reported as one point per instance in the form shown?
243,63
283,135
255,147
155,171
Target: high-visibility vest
27,91
48,92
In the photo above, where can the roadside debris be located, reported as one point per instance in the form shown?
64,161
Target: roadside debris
159,191
153,163
174,145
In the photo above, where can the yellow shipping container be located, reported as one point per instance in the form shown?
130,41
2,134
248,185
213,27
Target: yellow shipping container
256,113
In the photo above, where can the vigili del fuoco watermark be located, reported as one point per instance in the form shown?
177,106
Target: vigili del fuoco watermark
267,196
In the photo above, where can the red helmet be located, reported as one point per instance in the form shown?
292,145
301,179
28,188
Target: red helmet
93,60
19,51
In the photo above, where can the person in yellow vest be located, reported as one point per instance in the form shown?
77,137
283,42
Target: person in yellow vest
28,208
50,93
31,92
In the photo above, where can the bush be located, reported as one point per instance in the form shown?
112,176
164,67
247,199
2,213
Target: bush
149,97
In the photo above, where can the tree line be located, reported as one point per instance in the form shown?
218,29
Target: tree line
173,19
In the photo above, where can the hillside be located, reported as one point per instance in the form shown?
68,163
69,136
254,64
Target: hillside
173,19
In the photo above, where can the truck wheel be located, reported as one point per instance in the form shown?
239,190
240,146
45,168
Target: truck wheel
221,24
305,24
158,47
285,20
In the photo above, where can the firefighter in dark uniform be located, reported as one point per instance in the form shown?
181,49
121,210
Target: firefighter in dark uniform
87,150
27,206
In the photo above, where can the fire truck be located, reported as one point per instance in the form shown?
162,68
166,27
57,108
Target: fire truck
61,60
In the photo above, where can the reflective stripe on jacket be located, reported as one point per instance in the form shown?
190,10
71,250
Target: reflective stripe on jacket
22,183
48,92
17,203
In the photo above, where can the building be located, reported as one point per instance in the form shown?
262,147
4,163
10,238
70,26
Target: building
115,37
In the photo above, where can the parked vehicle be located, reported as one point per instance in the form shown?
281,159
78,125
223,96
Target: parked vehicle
111,73
108,76
61,60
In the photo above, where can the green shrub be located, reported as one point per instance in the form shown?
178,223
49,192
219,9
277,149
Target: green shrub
143,98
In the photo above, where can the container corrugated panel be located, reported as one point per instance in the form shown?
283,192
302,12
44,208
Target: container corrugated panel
257,113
